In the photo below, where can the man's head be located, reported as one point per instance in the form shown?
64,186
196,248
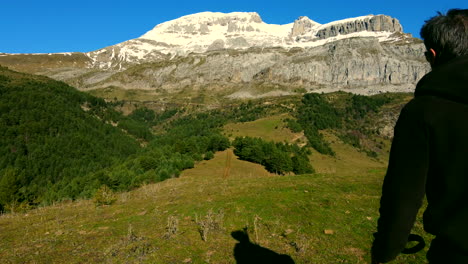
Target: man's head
446,36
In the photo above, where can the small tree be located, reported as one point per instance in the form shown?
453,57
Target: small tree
104,196
9,185
301,165
208,155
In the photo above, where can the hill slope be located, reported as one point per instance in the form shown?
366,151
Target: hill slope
322,218
51,134
326,217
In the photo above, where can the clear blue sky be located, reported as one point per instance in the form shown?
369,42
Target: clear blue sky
41,26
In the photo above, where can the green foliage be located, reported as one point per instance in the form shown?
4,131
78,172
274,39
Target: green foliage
186,140
315,114
346,114
10,184
317,141
58,143
293,125
279,158
352,138
51,135
361,105
249,112
136,128
148,163
208,155
165,115
149,118
318,113
301,165
143,115
104,196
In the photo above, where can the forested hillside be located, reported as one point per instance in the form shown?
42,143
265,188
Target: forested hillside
50,133
58,143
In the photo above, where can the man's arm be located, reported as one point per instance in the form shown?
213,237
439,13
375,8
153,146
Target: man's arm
404,184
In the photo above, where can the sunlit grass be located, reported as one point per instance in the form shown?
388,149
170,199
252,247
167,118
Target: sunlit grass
271,128
286,214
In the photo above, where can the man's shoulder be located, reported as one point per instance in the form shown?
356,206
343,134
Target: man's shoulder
420,108
420,103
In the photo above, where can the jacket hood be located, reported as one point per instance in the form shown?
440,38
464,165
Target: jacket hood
449,81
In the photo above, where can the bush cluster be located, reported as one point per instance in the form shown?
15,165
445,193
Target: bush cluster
279,158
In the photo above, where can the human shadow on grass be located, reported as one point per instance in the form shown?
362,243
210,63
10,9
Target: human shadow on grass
246,252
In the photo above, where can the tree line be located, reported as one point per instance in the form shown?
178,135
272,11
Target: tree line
346,114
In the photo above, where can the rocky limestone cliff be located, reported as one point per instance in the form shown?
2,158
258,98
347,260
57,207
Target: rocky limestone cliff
202,32
369,23
238,55
359,65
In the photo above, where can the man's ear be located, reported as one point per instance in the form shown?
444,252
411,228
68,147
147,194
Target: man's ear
431,56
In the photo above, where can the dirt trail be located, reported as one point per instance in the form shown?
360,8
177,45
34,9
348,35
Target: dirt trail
227,166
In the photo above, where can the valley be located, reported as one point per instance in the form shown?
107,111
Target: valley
326,217
175,146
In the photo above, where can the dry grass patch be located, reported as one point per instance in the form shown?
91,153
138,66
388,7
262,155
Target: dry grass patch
270,128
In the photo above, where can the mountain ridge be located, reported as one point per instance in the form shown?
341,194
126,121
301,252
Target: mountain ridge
215,30
208,31
359,54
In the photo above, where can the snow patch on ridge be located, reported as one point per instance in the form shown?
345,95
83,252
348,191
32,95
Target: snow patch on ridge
211,31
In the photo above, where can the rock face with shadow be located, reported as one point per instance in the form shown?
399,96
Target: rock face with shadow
369,23
246,252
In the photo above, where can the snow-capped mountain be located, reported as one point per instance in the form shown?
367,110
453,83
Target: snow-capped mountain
209,31
238,55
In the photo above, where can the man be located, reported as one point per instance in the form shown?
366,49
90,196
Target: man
429,154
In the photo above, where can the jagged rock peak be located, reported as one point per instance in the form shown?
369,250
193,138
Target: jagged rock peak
303,25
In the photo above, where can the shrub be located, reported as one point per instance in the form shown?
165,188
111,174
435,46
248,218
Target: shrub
211,221
276,157
208,155
172,227
293,125
104,196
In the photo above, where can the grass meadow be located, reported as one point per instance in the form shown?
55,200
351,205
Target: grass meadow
326,217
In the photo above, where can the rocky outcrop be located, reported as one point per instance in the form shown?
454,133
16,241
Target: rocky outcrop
302,26
354,63
369,23
360,65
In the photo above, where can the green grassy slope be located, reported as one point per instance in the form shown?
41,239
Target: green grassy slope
321,218
326,217
270,128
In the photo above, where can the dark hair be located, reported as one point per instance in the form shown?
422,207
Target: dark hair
447,34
